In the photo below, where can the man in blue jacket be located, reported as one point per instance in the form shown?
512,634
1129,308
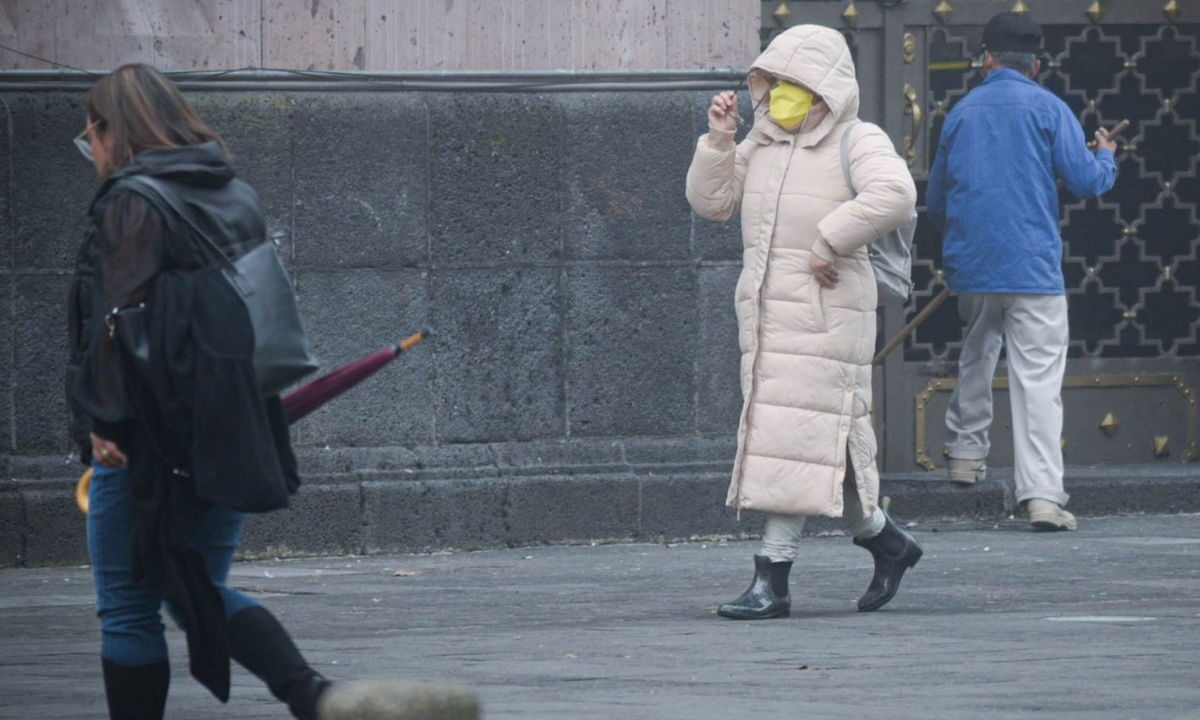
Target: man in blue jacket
992,190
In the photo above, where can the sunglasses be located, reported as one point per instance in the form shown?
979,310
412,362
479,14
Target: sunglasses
83,144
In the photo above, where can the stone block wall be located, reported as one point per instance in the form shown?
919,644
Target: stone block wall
581,382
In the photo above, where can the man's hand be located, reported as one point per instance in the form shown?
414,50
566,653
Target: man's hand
1103,142
107,453
823,270
723,113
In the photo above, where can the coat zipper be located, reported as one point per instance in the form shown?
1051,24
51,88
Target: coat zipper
766,258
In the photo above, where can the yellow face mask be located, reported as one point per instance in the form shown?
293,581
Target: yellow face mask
789,105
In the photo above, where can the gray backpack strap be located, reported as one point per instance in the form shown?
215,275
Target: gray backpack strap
846,158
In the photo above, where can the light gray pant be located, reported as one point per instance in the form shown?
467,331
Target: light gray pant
781,538
1034,330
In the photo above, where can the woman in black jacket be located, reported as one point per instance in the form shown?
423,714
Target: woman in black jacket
171,418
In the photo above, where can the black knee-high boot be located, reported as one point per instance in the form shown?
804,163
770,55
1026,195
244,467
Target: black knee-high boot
260,644
136,692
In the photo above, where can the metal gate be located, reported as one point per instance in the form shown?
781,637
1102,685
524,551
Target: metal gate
1131,259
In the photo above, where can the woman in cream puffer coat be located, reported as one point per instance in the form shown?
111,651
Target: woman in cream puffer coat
805,304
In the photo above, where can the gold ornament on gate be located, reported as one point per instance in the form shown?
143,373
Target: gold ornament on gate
943,11
850,14
1171,10
782,12
1020,8
1161,448
1095,11
1109,424
909,48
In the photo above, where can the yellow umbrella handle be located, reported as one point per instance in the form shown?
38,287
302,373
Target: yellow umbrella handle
81,490
411,341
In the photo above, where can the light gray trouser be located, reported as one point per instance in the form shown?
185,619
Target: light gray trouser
781,538
1034,329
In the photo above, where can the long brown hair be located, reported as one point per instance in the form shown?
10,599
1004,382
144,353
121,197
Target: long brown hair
136,108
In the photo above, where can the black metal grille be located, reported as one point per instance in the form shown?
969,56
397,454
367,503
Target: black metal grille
1131,259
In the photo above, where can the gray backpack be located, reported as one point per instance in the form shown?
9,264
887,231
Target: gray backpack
891,253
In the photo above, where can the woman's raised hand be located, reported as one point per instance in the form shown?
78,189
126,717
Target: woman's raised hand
723,113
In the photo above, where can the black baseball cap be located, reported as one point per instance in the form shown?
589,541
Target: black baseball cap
1012,32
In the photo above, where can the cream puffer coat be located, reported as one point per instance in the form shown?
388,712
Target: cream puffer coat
806,351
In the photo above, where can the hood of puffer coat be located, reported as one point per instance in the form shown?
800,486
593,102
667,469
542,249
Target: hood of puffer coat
816,57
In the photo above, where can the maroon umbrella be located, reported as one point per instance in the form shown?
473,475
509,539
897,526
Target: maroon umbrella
304,400
309,397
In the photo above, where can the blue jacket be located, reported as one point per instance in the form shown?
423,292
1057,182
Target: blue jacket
992,186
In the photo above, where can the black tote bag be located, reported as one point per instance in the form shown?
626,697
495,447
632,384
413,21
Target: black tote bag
282,352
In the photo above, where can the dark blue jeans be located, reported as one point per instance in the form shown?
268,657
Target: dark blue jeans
130,620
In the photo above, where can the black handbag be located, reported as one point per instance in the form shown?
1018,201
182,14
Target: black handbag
282,352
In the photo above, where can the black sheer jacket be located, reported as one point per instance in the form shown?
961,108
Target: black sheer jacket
189,414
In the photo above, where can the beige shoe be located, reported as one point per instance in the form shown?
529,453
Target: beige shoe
396,700
967,472
1048,516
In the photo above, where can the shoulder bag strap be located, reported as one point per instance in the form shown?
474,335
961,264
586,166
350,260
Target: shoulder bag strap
172,201
845,152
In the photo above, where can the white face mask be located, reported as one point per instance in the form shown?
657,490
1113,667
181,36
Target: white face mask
83,144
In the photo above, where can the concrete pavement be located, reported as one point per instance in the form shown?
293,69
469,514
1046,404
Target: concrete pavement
995,622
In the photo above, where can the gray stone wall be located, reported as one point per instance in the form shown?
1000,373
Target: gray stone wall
584,331
582,381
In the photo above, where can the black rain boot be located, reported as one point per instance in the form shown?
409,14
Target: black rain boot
895,551
767,597
136,692
260,644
